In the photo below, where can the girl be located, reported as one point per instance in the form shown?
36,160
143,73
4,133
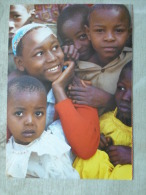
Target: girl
37,53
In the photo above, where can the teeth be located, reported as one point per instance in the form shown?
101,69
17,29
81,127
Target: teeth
53,69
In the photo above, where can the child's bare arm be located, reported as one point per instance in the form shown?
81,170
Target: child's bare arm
91,96
119,154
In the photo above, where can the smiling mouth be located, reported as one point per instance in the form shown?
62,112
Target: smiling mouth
53,69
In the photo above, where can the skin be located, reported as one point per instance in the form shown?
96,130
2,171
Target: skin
75,39
119,154
108,38
26,116
19,16
43,58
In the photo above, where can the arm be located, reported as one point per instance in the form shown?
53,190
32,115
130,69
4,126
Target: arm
91,96
81,127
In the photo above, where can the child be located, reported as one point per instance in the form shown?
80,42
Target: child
116,137
72,33
19,16
37,53
31,151
109,29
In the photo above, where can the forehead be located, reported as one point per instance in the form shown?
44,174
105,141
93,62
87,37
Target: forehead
126,74
109,15
28,97
76,20
39,35
17,8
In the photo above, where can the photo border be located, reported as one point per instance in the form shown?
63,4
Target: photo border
41,186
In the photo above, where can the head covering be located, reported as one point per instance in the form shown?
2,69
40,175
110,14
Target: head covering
23,30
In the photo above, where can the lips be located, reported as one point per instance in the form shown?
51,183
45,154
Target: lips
28,133
124,108
109,49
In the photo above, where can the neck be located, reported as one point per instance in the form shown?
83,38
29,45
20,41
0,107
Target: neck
125,120
48,85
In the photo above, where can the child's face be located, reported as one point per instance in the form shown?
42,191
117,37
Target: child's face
18,17
108,32
26,116
123,95
42,56
74,33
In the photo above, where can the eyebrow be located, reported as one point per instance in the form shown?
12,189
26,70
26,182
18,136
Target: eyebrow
41,44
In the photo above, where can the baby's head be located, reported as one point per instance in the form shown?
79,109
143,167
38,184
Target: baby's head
71,29
37,52
109,29
123,94
19,16
26,109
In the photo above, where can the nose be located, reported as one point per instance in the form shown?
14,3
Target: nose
109,36
29,120
127,96
50,56
11,24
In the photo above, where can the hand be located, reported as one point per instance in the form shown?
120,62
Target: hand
88,95
70,52
119,154
63,81
105,142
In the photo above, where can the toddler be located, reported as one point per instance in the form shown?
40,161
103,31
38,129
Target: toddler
31,151
116,137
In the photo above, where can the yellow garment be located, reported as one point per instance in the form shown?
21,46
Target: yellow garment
99,166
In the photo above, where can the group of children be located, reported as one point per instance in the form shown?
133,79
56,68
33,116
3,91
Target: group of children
55,116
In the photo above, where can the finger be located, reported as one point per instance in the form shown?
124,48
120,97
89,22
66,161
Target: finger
103,139
65,49
109,141
79,102
77,88
70,51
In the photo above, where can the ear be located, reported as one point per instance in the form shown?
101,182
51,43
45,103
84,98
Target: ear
130,31
87,31
19,63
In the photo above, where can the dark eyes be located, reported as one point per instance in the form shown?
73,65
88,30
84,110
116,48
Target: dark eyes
19,113
83,36
16,16
68,42
121,88
39,113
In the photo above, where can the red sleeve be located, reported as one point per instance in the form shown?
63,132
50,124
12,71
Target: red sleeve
81,127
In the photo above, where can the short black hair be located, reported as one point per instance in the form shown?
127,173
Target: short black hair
111,6
127,66
25,83
69,12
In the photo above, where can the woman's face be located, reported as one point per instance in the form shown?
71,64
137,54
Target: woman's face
42,56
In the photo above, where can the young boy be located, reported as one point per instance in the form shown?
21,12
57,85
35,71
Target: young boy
72,33
37,53
109,29
116,137
31,151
